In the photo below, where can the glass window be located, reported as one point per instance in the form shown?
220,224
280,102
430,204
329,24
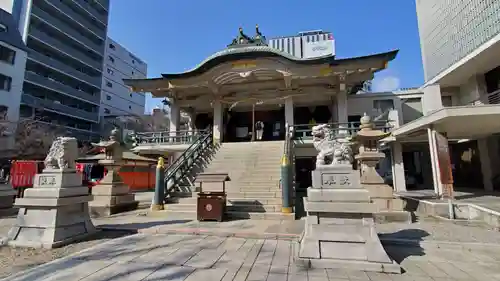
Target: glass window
7,55
383,105
5,82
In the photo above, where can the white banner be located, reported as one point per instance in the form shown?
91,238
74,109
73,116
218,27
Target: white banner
319,49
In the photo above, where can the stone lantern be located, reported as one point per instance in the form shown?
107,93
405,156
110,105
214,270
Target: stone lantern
369,154
111,195
368,157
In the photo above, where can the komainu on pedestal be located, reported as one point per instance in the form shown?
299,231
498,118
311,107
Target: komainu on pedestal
339,230
55,211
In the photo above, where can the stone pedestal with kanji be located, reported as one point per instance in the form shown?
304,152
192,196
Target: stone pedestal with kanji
55,211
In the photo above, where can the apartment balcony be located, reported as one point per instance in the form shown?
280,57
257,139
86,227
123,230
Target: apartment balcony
39,35
471,120
65,69
56,23
491,98
93,11
84,22
55,86
59,108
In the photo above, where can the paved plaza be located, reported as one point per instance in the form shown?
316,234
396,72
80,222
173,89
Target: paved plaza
199,257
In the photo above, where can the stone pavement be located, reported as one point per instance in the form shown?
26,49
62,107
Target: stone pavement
199,257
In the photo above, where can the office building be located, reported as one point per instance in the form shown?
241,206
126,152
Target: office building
461,95
66,41
116,98
12,63
306,44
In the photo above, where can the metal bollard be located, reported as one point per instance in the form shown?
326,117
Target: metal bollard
285,185
159,186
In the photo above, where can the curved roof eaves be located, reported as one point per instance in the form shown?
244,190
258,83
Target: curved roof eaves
250,52
253,52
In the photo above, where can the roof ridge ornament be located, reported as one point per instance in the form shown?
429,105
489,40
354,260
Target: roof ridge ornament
242,40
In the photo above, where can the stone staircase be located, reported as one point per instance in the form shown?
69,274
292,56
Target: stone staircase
254,190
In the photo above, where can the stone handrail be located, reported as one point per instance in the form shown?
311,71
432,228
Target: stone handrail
168,137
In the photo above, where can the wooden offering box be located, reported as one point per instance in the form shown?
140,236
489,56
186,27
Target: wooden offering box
211,205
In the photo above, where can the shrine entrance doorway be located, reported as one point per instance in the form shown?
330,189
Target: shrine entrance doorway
240,124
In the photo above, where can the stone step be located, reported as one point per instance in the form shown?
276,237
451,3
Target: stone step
273,188
256,183
261,216
253,194
230,201
256,208
234,215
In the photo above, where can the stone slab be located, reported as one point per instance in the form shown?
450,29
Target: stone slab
110,190
28,242
348,195
379,190
51,202
102,201
335,207
51,217
108,210
55,192
351,265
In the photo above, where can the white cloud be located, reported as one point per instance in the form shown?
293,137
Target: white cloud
385,84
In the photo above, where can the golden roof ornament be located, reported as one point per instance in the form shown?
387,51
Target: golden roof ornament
243,40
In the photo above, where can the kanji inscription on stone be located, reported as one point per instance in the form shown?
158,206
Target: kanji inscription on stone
335,179
47,181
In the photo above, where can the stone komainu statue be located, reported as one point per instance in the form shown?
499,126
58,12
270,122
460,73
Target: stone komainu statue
62,154
332,150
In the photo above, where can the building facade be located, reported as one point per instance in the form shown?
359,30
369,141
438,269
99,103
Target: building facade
13,53
116,98
461,96
66,41
307,44
452,30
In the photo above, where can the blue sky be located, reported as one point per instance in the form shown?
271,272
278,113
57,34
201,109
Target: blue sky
175,35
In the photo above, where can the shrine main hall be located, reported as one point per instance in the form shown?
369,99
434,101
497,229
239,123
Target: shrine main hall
249,81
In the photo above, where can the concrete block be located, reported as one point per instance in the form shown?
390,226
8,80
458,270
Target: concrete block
53,213
347,195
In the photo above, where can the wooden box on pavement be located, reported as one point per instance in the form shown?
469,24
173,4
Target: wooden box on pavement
211,205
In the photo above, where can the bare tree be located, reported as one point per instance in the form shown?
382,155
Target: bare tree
33,138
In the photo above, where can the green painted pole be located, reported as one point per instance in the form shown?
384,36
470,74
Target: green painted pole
286,185
159,186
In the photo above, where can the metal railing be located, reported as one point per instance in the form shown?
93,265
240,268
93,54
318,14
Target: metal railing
490,98
304,131
179,169
167,137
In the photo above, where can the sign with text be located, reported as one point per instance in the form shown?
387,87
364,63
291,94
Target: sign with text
444,162
47,181
319,49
